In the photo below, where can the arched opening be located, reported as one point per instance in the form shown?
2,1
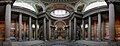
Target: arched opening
60,30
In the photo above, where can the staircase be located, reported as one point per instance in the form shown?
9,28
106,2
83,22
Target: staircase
59,43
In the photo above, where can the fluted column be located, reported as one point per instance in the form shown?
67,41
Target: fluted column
7,21
89,28
30,29
20,27
99,27
111,21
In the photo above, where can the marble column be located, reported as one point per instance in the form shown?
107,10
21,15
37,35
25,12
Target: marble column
89,28
111,21
83,29
99,27
36,30
7,21
70,29
45,29
20,27
74,28
30,29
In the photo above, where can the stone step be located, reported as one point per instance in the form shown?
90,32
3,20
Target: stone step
59,43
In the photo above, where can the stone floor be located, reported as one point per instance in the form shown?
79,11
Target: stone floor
59,43
63,43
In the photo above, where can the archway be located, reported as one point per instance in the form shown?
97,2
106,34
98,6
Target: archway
60,30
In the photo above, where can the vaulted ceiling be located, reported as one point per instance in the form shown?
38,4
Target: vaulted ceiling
48,5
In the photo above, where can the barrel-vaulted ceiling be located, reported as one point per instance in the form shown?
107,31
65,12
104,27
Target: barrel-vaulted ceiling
39,5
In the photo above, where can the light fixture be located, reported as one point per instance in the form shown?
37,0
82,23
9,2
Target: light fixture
33,25
86,25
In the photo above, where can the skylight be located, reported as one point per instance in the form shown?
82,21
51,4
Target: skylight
60,13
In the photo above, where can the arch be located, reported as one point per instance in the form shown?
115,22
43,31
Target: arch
57,22
60,24
67,5
95,4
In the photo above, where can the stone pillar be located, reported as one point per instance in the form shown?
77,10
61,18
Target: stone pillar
83,29
74,28
66,32
20,27
7,21
45,29
111,21
99,27
103,28
36,30
49,30
69,29
89,28
30,29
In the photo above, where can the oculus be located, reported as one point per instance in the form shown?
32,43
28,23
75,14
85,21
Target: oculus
60,13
